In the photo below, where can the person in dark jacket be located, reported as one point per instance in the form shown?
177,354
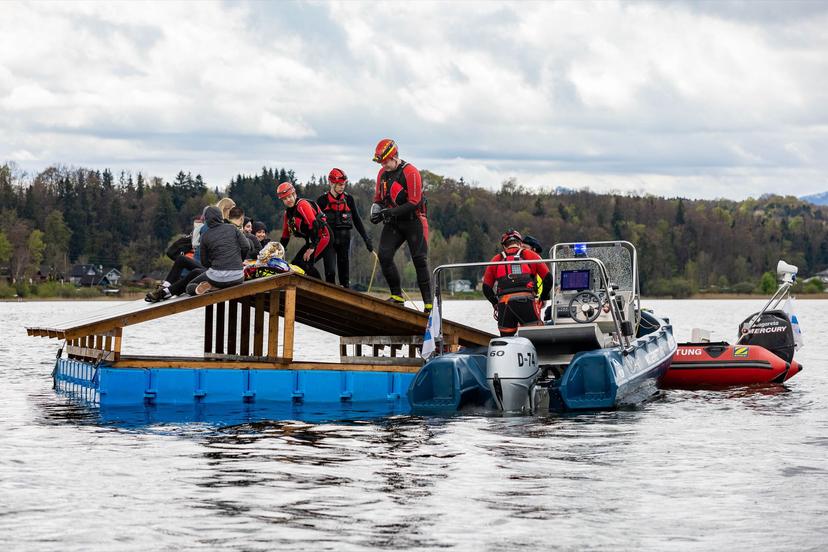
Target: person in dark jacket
304,219
340,210
260,231
184,269
236,217
223,247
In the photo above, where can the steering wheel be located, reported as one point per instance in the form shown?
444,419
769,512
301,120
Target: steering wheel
585,307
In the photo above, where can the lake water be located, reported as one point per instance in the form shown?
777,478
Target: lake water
743,469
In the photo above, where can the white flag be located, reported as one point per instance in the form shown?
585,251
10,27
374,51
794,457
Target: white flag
797,331
432,332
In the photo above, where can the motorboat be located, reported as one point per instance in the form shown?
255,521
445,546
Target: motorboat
762,354
598,349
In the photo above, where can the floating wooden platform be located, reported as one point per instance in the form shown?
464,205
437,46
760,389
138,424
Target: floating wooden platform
376,337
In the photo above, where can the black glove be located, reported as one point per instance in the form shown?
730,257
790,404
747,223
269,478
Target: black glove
369,245
376,213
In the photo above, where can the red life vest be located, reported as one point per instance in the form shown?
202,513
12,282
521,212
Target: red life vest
395,190
299,227
338,212
515,278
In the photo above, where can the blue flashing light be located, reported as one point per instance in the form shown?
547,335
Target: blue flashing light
580,249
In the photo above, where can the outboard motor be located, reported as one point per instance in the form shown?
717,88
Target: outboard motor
773,331
511,372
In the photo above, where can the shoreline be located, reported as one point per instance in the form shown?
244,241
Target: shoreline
702,297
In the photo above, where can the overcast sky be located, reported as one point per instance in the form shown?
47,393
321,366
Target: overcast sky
701,99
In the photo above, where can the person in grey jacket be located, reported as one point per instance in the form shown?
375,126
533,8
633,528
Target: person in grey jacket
223,247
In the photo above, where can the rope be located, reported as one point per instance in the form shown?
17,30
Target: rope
373,271
407,298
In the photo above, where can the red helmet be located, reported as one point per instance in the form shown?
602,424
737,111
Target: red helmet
510,235
285,189
386,149
337,176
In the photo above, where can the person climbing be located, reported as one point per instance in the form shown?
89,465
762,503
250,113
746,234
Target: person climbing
399,203
223,247
340,210
304,219
513,289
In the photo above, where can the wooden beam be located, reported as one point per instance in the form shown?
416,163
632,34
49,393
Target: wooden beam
277,364
245,329
116,347
208,329
232,326
290,323
273,324
258,328
219,344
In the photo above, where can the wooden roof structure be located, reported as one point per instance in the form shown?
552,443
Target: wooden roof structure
231,313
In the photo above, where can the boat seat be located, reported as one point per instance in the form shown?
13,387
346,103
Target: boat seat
558,344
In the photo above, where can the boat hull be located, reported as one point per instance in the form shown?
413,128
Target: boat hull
594,380
700,365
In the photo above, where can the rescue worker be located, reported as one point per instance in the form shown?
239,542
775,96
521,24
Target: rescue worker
304,219
400,205
340,210
513,289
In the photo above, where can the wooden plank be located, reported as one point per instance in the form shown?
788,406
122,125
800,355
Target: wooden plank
273,324
382,340
108,342
290,322
116,348
208,329
220,314
258,328
382,361
278,364
245,329
232,326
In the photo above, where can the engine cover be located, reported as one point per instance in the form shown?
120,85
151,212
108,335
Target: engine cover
511,372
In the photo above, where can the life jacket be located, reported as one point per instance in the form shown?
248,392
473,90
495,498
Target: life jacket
297,224
395,191
338,212
516,278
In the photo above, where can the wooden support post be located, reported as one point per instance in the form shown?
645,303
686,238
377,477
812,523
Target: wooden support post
208,329
290,321
117,346
245,329
219,329
232,323
258,328
273,325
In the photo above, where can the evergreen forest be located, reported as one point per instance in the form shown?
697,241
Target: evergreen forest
64,216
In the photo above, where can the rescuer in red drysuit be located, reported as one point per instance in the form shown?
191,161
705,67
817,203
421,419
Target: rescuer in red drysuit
304,219
513,289
340,210
400,205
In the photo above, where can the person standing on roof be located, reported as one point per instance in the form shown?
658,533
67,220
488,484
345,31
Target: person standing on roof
340,210
304,219
399,203
513,289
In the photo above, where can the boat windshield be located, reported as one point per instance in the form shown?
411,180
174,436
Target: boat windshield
616,257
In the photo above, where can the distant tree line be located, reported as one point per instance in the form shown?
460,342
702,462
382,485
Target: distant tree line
66,215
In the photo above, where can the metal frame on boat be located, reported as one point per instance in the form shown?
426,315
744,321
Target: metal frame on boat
564,366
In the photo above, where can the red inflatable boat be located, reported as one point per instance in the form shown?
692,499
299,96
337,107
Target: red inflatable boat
698,365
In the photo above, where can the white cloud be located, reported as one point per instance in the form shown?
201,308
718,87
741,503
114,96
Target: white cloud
662,97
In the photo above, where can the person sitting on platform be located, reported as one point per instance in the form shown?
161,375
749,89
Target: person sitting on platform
223,247
513,289
184,269
237,218
260,231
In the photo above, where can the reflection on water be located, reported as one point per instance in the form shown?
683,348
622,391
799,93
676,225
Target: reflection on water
689,470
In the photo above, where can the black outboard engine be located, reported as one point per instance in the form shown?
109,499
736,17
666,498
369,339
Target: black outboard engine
773,331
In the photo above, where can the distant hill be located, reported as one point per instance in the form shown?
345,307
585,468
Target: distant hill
816,199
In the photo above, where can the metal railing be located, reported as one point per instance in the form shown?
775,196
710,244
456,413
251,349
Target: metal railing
604,281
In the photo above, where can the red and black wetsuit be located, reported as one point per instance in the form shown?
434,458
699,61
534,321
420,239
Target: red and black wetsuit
401,192
342,215
512,289
303,220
